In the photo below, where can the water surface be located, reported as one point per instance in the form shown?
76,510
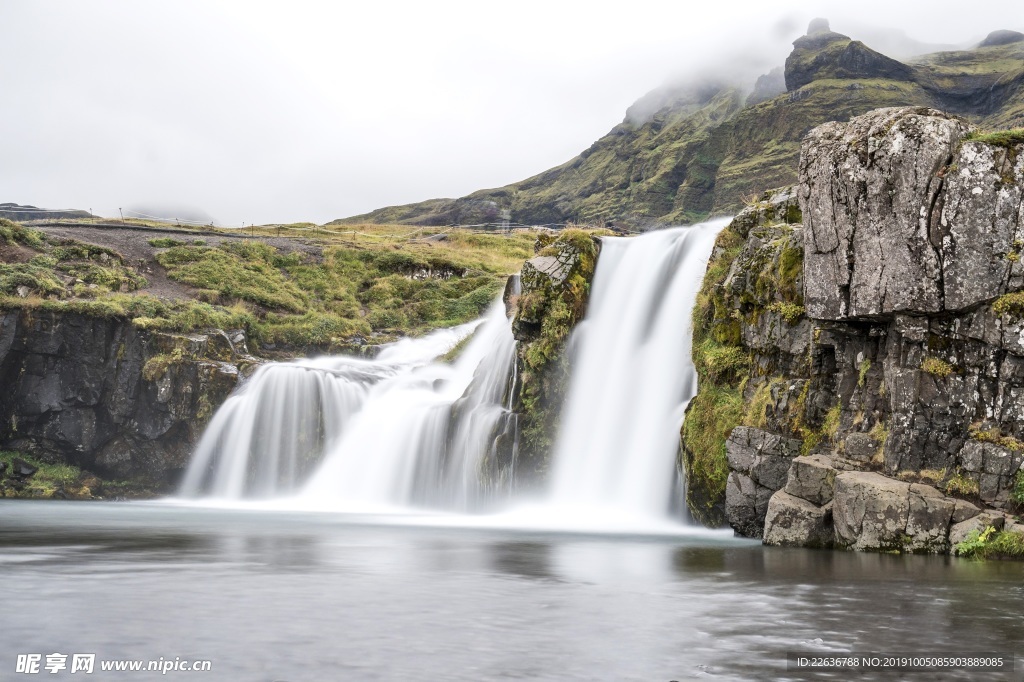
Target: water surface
272,595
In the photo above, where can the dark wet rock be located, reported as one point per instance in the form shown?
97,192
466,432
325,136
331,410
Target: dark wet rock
22,469
102,395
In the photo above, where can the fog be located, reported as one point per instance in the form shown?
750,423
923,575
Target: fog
273,111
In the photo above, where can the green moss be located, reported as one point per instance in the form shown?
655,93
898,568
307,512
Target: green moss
862,372
452,355
711,416
717,363
13,233
790,312
1001,138
156,367
543,372
48,480
936,367
1011,305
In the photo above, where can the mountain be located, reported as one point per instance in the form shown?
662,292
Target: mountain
18,212
685,152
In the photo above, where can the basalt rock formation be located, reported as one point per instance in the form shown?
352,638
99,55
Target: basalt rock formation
860,341
100,394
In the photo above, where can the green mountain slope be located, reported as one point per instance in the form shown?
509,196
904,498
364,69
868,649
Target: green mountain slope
700,150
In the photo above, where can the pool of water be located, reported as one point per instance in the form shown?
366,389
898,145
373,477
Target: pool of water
283,595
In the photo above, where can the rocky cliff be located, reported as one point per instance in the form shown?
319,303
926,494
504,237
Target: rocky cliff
98,393
860,342
699,148
549,299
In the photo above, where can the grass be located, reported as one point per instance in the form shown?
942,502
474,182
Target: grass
862,372
995,436
991,544
371,281
1001,138
48,480
960,485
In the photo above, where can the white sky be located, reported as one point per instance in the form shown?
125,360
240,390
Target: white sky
287,110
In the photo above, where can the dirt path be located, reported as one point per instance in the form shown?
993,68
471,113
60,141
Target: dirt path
133,244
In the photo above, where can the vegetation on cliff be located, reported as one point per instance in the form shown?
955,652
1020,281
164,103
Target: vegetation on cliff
741,285
555,290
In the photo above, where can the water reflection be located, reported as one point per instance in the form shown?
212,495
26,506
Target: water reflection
265,595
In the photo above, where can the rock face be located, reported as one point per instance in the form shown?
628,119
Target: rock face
552,294
916,220
758,464
825,54
100,394
878,330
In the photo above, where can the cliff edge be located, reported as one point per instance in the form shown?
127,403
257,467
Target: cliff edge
860,343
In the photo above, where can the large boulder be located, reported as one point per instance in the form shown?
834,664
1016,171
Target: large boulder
875,513
812,479
903,214
759,462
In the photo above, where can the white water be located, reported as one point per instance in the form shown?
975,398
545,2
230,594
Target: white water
403,431
380,427
631,375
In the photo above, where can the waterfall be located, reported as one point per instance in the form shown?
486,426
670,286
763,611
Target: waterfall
395,430
406,430
631,373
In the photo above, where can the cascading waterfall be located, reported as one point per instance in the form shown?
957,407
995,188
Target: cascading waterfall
397,429
631,373
405,430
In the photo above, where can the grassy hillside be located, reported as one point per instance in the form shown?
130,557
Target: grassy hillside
705,149
365,286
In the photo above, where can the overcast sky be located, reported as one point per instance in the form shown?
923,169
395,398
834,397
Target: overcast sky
289,110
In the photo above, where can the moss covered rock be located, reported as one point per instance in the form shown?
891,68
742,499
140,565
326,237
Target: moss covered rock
555,289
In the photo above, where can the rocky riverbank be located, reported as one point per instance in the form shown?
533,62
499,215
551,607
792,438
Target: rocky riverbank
860,342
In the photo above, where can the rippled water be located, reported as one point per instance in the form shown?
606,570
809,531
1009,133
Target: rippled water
305,596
